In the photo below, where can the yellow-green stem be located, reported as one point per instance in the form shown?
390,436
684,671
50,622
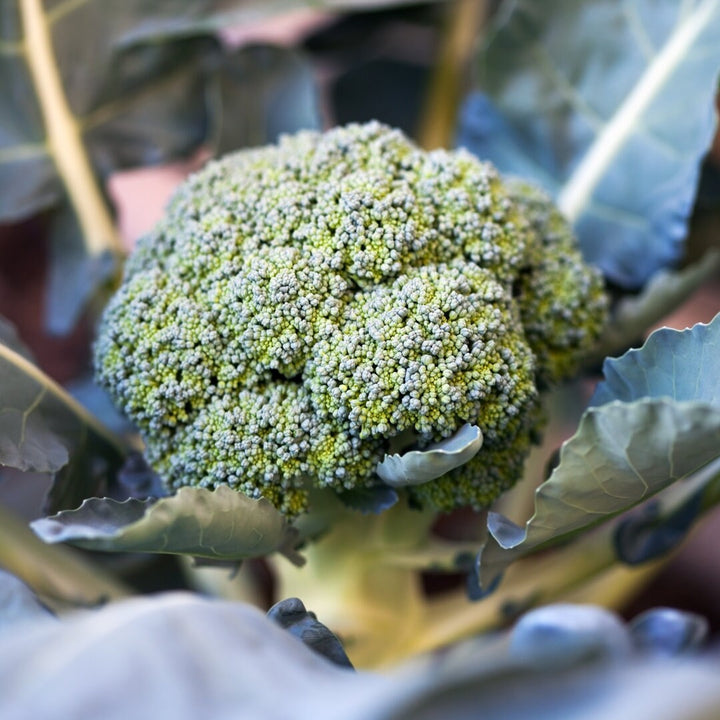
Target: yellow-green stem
438,120
374,607
529,582
63,134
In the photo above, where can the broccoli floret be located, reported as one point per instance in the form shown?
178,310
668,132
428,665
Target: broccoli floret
303,306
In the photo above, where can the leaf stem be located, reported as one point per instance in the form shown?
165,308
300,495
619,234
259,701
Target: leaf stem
464,21
64,137
529,582
53,571
577,191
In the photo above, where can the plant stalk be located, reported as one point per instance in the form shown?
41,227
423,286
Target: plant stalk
438,119
64,139
53,571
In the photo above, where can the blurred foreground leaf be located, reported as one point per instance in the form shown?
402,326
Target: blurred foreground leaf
654,420
220,524
195,657
43,429
18,604
610,106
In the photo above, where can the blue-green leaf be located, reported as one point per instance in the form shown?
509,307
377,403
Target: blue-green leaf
651,532
621,455
666,290
220,524
655,419
610,106
420,466
43,429
18,604
564,632
373,500
93,87
683,365
666,631
183,656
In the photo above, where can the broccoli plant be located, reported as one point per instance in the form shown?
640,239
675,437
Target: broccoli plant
305,309
334,312
346,355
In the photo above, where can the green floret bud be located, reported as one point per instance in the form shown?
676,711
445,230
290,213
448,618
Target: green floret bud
562,301
305,307
420,353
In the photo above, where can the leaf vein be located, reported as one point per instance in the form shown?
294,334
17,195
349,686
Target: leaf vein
63,9
637,29
19,153
29,411
566,88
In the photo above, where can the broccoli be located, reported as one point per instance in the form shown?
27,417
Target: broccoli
304,307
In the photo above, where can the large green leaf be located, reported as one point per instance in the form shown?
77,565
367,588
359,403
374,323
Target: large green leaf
621,455
182,656
43,429
609,104
219,524
684,366
654,420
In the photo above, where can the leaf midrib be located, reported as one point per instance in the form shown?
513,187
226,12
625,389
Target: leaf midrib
578,189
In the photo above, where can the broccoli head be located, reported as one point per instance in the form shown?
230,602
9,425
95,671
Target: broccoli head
304,307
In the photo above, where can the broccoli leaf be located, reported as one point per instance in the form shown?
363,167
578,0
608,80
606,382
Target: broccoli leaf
200,657
656,528
10,338
220,524
421,466
621,455
18,604
91,88
373,500
663,293
666,631
655,419
683,365
210,658
43,429
568,632
265,91
609,106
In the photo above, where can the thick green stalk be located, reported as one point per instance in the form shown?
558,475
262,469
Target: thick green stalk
375,607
